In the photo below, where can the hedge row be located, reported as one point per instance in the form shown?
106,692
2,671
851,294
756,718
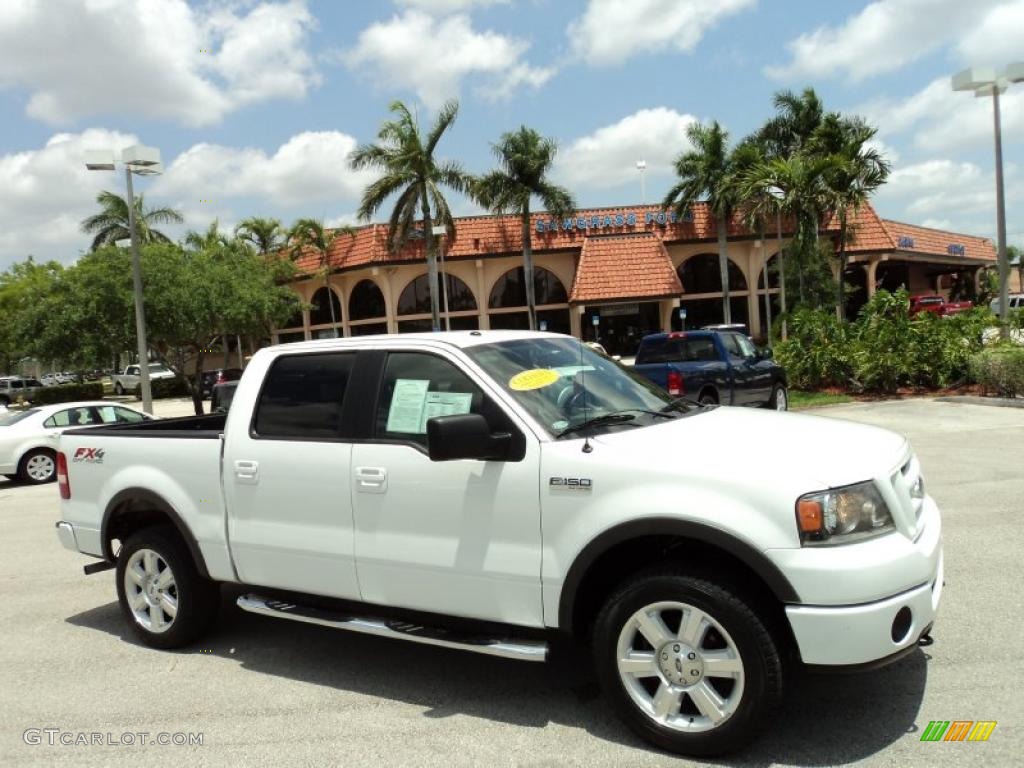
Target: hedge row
66,393
160,388
883,349
1000,370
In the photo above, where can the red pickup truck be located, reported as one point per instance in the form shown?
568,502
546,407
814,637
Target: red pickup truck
936,304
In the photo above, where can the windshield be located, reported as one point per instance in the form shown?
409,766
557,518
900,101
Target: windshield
7,418
563,383
157,368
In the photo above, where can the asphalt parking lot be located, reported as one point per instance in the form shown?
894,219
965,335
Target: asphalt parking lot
268,692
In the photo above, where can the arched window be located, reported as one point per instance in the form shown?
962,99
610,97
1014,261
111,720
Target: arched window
415,298
510,289
320,314
773,273
366,301
701,274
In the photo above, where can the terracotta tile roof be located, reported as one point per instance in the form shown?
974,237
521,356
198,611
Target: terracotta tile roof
936,242
867,232
622,267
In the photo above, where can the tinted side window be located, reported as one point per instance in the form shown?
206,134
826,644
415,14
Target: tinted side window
302,395
654,351
418,386
731,345
699,350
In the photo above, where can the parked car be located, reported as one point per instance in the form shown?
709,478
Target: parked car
131,379
28,438
14,388
490,490
50,380
222,395
721,367
936,304
1015,301
218,376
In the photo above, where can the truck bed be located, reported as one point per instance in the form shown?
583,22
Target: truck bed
209,426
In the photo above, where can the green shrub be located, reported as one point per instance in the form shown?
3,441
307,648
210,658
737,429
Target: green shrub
161,388
817,352
1000,369
66,393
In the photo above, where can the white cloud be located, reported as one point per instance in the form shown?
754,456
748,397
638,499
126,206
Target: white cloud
45,193
607,157
996,40
611,31
943,120
432,56
311,166
885,36
156,58
439,7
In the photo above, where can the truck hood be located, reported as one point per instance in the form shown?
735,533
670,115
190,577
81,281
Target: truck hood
754,445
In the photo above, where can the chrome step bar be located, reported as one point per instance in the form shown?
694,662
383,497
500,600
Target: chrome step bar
524,650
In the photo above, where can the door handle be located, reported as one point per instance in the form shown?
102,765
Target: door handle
371,479
247,472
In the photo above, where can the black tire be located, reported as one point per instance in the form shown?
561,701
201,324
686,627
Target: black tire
780,396
197,598
707,398
118,389
23,466
762,669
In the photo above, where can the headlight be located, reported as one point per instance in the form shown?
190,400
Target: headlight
842,515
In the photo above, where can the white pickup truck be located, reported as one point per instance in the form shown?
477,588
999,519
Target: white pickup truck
131,379
490,490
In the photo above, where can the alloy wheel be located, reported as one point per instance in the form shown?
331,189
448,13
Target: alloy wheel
151,591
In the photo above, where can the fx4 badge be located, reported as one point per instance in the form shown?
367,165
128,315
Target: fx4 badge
89,455
570,483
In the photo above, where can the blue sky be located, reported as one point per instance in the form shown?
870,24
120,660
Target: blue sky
255,105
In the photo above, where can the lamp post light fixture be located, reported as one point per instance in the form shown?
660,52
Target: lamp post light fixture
143,161
441,231
985,81
641,165
778,194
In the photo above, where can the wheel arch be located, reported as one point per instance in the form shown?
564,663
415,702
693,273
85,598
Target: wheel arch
132,509
627,548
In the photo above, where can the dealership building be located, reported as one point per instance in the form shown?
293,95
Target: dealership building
611,274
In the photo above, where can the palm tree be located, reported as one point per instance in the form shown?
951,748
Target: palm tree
111,223
409,168
525,158
706,172
310,234
856,171
211,240
797,118
266,236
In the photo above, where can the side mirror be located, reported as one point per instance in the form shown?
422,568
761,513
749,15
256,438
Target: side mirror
465,436
767,353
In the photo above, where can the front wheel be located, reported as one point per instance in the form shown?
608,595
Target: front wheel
779,401
687,664
118,389
160,591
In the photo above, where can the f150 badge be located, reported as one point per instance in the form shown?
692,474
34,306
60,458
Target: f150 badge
89,455
570,484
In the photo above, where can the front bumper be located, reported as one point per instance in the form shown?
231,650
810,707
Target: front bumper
860,634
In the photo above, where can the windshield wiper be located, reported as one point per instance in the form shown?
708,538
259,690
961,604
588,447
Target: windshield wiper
598,421
688,402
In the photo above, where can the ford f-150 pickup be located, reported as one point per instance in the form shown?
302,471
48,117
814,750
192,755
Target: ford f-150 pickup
492,490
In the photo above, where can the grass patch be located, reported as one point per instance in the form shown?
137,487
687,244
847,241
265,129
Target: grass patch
799,400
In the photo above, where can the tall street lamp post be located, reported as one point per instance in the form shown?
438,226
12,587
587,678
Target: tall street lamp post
144,161
778,194
985,82
641,165
441,231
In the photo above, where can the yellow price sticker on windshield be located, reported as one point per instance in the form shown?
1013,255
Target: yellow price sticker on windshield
533,379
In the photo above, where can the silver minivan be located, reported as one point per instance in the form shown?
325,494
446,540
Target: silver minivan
14,387
1016,302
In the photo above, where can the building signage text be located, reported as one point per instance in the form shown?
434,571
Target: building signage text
955,249
609,221
906,242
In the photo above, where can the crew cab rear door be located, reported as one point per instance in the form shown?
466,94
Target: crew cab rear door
456,537
287,475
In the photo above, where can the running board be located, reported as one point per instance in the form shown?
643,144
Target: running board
524,650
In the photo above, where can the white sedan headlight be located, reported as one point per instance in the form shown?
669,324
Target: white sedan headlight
842,515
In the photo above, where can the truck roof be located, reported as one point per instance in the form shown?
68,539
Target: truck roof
460,339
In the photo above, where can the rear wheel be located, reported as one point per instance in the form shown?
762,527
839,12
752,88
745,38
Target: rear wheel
687,664
39,466
118,389
707,398
162,595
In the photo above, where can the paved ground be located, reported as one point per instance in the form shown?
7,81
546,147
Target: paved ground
265,691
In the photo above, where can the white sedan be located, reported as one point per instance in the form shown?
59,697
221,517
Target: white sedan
28,439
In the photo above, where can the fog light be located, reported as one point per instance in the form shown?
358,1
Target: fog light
901,624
